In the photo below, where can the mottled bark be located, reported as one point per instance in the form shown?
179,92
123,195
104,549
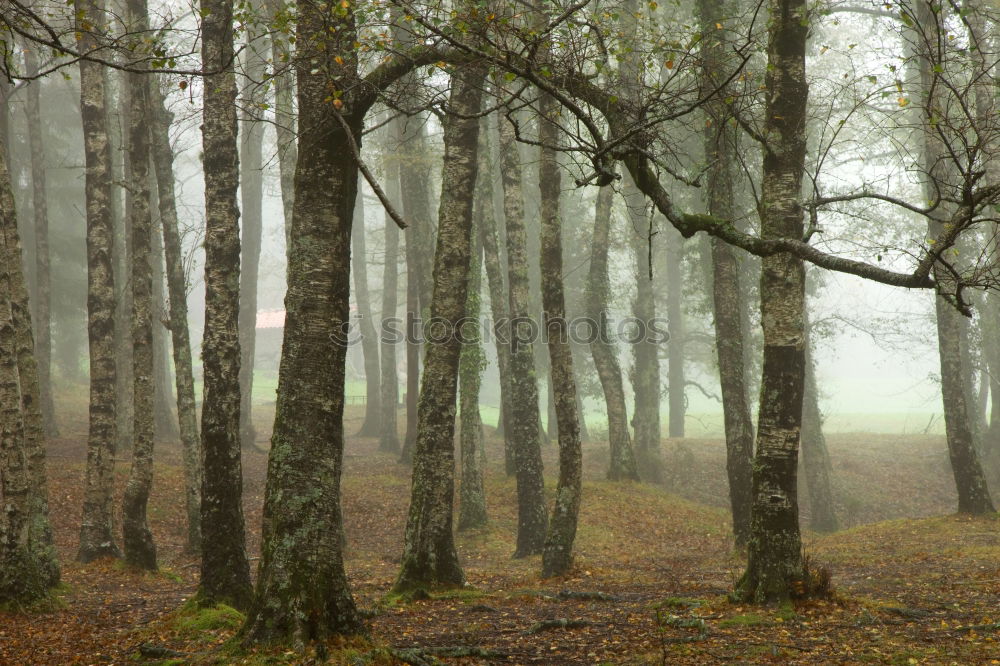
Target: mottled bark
140,551
416,197
557,555
225,571
121,208
623,464
251,221
187,415
940,174
28,567
815,457
532,520
43,275
729,307
302,592
472,360
96,527
369,338
774,569
429,555
388,427
493,263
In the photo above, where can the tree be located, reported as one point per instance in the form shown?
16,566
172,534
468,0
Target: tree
251,175
389,399
96,527
369,338
177,289
429,555
225,571
557,555
532,521
775,548
623,464
140,551
728,300
941,175
815,457
43,274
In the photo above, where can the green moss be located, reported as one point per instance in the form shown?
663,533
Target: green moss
680,602
192,621
746,620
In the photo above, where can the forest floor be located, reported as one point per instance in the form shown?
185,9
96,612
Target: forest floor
653,569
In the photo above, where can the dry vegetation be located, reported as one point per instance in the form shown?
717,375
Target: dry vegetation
650,585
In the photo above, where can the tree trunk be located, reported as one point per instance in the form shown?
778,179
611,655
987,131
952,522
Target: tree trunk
646,374
557,556
970,481
43,274
774,570
493,263
164,415
284,115
302,592
815,457
389,383
96,527
729,307
416,197
676,382
429,556
472,360
369,338
187,414
532,520
28,566
623,464
225,571
140,551
252,225
121,210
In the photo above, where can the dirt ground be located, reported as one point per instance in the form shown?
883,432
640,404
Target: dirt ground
654,565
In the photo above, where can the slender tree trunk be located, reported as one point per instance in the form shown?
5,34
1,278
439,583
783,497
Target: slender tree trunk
676,382
225,571
729,307
774,570
970,481
493,263
623,464
187,414
557,556
23,575
28,565
284,114
122,251
532,520
140,551
389,383
96,527
472,360
815,457
164,415
251,223
369,337
302,592
416,197
646,374
429,555
43,274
